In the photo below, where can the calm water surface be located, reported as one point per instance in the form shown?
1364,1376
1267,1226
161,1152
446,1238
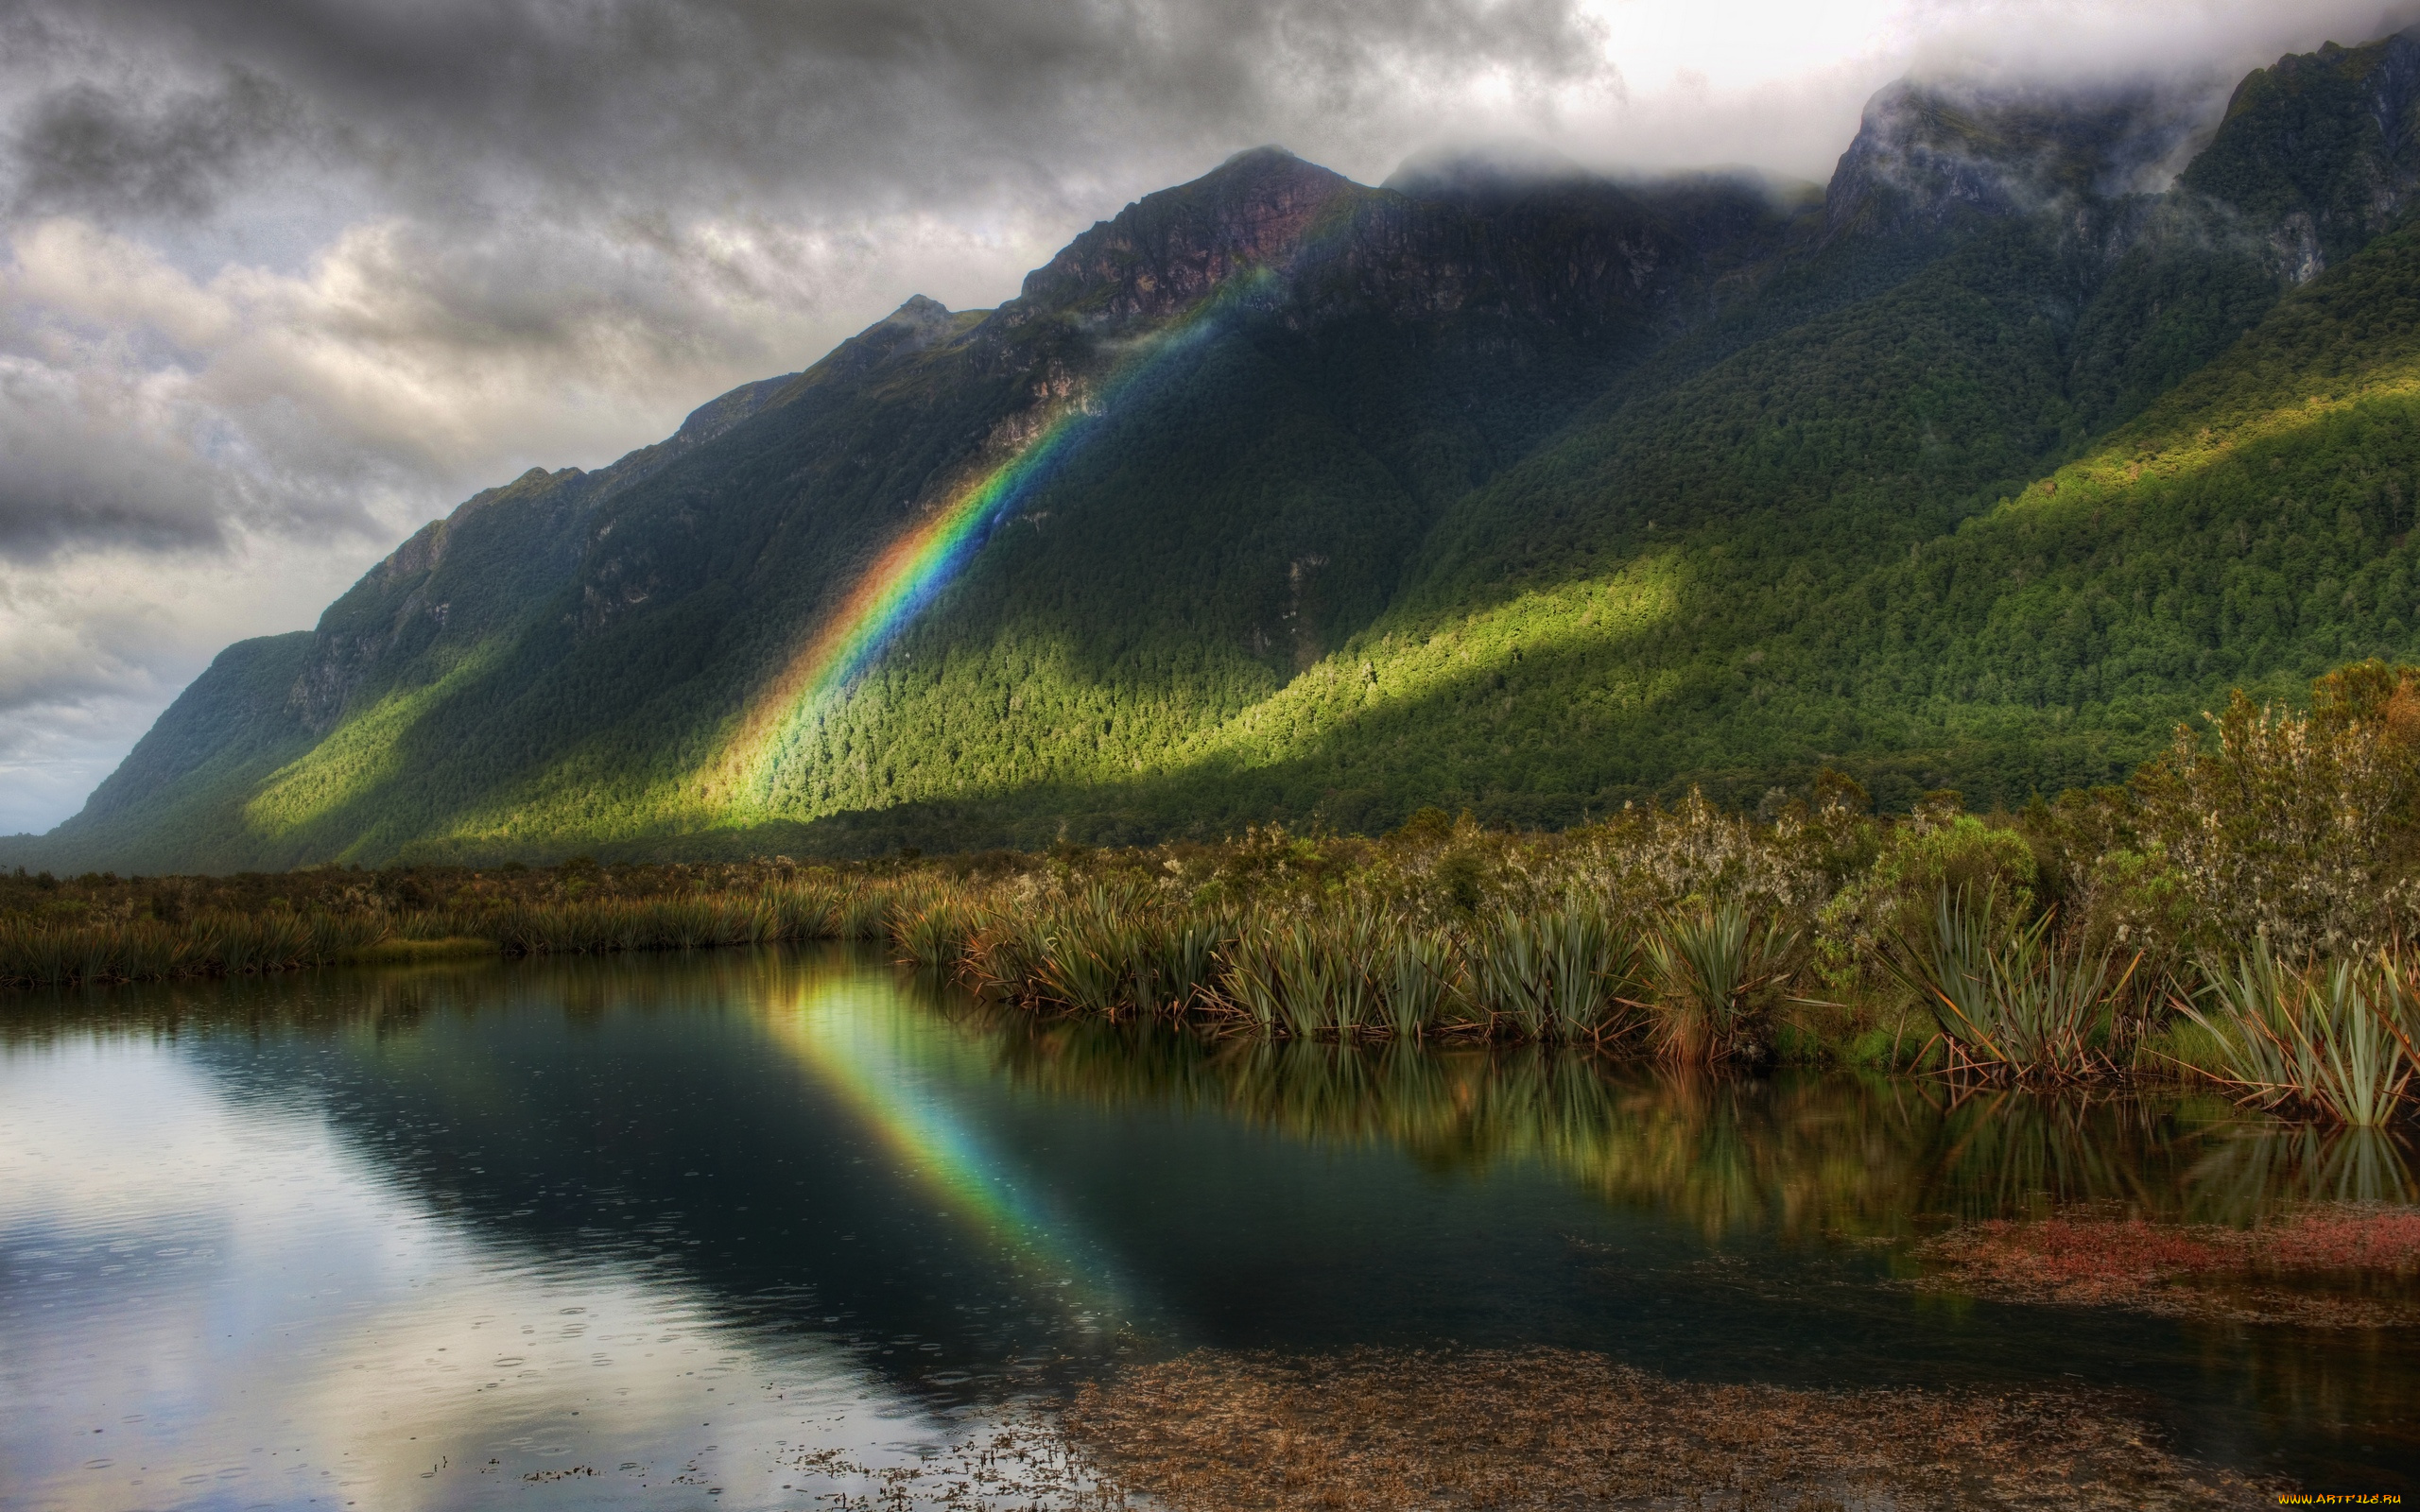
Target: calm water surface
655,1230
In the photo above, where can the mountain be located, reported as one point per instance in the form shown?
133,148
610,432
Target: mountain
1501,486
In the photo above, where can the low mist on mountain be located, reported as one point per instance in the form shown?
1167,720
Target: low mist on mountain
1501,486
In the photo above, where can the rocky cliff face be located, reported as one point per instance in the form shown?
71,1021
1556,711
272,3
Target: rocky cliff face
522,542
1929,157
1482,375
1455,239
1168,251
2319,152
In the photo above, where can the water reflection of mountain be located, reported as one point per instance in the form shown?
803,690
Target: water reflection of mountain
816,1143
1797,1153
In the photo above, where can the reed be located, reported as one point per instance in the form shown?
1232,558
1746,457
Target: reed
808,910
1418,971
241,944
38,955
1314,981
2333,1038
335,937
863,913
1537,939
598,926
439,923
1252,980
51,954
1179,969
934,935
148,951
1003,955
1349,973
1107,949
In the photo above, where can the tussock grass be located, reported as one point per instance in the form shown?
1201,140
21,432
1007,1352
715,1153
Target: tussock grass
44,955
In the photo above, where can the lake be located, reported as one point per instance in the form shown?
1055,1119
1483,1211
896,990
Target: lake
776,1228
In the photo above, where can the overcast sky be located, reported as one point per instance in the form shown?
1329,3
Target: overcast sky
281,280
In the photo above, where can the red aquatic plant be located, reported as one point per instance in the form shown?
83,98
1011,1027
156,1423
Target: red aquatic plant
2091,1258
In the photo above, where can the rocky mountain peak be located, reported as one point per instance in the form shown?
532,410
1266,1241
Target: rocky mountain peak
1168,250
1928,154
2320,151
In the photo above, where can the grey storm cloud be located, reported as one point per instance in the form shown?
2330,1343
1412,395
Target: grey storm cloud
82,146
588,194
149,107
66,474
282,278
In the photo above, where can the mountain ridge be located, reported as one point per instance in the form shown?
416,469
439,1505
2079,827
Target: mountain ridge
1541,424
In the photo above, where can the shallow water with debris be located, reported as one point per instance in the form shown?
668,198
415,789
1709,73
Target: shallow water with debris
798,1230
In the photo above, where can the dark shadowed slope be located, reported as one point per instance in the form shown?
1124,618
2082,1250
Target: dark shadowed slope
1282,495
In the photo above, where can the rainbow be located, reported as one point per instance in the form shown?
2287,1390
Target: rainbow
869,1058
888,595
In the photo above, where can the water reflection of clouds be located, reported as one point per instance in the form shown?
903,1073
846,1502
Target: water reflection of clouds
339,1233
241,1304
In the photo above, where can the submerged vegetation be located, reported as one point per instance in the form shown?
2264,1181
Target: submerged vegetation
1556,1428
2263,1273
2243,913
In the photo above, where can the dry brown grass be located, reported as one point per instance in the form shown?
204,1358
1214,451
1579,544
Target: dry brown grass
1379,1432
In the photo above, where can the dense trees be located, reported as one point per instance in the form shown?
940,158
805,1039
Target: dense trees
1458,507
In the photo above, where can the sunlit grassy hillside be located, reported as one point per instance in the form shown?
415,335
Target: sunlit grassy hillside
1337,502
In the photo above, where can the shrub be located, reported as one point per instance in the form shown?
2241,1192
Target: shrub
2298,829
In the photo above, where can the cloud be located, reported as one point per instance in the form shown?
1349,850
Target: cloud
82,147
94,643
704,104
280,280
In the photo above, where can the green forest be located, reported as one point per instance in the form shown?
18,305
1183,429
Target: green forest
1533,503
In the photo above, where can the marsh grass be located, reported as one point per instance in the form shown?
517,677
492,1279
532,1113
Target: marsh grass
2047,945
213,944
652,924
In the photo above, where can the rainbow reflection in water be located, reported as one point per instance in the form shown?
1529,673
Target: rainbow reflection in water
871,1061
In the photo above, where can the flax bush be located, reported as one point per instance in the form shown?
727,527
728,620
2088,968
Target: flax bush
2332,1038
2010,998
1710,967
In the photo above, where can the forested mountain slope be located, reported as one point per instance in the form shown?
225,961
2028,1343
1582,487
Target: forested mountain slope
1279,495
